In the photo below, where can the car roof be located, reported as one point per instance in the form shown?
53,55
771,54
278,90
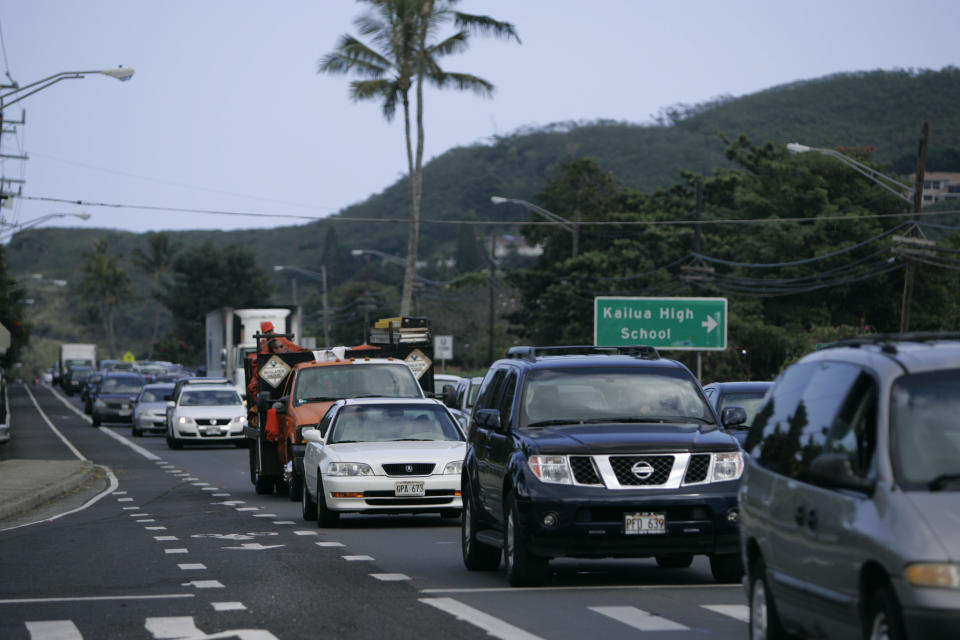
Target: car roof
158,385
746,385
911,352
122,374
382,401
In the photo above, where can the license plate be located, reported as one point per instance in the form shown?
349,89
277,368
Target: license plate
409,490
125,407
635,524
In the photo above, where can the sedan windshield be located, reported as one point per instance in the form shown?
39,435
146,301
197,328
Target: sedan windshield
341,382
925,431
634,394
388,423
209,398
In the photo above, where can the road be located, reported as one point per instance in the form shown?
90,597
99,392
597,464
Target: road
180,546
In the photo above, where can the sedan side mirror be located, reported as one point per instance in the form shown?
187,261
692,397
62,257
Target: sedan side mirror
733,417
171,404
311,434
833,471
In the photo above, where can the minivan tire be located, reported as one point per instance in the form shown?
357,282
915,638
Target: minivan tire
764,621
883,616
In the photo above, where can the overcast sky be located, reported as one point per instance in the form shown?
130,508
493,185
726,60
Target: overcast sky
226,111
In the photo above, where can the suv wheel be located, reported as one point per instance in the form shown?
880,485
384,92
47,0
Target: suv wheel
476,555
523,568
726,568
325,517
883,619
764,621
675,561
308,506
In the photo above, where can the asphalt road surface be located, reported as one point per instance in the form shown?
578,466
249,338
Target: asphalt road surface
180,546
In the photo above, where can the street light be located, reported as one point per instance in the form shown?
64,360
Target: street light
14,228
322,277
385,256
19,93
567,225
903,191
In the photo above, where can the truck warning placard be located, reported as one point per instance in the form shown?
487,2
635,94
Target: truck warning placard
274,371
418,362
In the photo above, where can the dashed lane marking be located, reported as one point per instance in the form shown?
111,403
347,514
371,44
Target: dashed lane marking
639,619
203,584
192,566
306,533
228,606
53,630
493,626
158,528
124,499
165,538
330,544
390,577
739,612
358,558
284,522
169,551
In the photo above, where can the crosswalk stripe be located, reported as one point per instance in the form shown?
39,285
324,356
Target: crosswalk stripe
493,626
53,630
639,619
740,612
173,627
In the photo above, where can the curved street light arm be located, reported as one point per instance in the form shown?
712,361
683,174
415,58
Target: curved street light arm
567,225
894,186
121,73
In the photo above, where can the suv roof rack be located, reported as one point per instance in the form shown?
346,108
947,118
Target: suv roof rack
642,351
888,341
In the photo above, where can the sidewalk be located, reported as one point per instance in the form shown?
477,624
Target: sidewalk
26,485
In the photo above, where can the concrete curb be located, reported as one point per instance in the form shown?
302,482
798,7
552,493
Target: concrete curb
27,484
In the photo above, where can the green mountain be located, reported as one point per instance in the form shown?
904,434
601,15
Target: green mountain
881,110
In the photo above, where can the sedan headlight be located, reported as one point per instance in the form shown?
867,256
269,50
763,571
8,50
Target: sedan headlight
349,469
454,467
727,466
185,420
239,420
100,404
934,574
555,469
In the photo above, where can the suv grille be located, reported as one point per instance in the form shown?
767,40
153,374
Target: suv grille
583,470
409,469
698,468
623,468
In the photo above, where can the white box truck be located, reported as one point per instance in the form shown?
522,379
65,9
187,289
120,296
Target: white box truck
230,337
73,354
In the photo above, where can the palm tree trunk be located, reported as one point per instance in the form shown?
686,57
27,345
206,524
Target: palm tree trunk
411,265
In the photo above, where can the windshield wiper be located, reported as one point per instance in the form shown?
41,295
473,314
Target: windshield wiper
412,440
344,441
318,399
940,481
549,423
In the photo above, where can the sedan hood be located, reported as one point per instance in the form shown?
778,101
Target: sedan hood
941,512
205,411
437,451
623,438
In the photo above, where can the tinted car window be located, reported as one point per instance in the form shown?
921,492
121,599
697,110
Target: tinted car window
336,382
854,431
925,430
490,389
209,397
155,394
506,398
120,385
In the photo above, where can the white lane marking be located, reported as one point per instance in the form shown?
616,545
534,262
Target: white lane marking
176,551
284,522
147,520
306,533
114,483
192,566
739,612
95,598
200,484
155,528
210,489
43,415
203,584
260,515
358,558
184,628
330,544
221,495
230,503
248,508
228,606
165,538
53,630
255,546
131,508
139,515
191,478
493,626
119,493
124,499
390,577
639,619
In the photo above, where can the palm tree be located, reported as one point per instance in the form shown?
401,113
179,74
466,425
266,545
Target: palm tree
105,283
155,262
404,54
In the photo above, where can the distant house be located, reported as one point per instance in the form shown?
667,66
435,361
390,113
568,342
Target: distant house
940,185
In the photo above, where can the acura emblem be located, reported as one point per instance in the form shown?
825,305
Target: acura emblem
642,469
409,468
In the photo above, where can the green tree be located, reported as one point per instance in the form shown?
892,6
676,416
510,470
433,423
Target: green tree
403,56
12,315
104,282
206,278
469,254
155,262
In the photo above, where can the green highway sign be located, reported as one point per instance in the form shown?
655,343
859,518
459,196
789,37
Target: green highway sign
691,324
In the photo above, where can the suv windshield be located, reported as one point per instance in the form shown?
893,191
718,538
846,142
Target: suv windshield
555,396
388,423
925,431
339,382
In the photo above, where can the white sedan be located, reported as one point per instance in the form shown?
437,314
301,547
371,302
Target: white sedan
206,413
383,455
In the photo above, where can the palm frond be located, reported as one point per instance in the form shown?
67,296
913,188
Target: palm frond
462,81
485,25
456,43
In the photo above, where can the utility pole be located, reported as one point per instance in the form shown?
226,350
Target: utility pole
493,275
917,204
696,250
326,309
575,232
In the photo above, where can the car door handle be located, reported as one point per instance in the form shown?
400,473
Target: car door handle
800,516
812,519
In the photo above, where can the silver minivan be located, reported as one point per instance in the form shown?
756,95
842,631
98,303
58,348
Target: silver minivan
850,502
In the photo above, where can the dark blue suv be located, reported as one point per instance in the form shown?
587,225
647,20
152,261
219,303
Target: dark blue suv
593,452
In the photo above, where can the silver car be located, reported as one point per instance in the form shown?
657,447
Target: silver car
850,502
150,411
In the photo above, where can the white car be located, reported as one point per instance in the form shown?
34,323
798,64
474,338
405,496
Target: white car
383,455
206,413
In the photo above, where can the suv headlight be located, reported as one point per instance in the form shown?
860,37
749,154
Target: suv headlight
349,469
454,467
727,466
555,469
934,574
100,404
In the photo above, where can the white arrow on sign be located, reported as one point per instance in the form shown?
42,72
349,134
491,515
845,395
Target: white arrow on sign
709,323
255,546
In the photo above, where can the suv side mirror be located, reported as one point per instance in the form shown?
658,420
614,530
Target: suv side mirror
733,416
489,418
833,470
